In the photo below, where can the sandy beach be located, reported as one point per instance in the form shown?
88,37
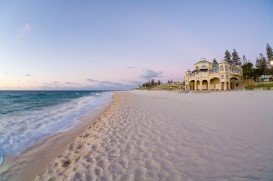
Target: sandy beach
149,135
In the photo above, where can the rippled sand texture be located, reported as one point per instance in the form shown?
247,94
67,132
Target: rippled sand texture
172,136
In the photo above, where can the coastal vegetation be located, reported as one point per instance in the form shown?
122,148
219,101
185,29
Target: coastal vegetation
259,85
253,74
170,85
263,65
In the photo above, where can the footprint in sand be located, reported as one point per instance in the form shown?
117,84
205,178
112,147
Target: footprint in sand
97,171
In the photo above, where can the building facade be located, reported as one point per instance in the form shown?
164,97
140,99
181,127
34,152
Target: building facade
208,76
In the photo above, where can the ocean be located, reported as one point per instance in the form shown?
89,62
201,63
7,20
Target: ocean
27,117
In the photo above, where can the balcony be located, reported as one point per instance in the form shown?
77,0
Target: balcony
235,72
214,71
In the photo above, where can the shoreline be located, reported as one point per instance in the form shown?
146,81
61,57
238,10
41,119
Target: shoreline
35,159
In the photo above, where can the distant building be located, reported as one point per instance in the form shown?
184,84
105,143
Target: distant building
265,78
208,76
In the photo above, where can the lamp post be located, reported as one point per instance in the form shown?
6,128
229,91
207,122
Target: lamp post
271,65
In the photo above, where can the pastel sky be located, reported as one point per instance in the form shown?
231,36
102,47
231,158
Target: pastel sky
103,44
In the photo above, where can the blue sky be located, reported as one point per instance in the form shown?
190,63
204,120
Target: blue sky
118,44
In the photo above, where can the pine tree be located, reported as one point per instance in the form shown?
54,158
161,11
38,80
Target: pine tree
214,61
245,61
247,69
227,57
236,60
261,65
269,54
152,82
215,64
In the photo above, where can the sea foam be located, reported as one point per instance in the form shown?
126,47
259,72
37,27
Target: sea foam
22,130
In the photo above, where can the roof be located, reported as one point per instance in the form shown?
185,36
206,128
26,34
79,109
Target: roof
223,61
203,61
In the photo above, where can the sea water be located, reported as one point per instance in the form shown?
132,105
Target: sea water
27,117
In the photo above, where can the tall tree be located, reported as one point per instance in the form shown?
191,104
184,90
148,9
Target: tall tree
215,64
227,57
152,82
261,65
247,70
236,60
269,54
245,61
214,61
247,67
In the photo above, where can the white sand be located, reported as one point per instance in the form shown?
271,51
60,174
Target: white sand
171,136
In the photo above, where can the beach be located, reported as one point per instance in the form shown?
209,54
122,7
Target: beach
136,90
154,135
70,119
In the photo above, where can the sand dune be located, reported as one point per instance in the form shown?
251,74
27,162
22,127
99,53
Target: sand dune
171,136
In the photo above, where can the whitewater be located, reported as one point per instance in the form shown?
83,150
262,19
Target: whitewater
28,117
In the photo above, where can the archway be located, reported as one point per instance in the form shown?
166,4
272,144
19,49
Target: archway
215,83
191,85
234,83
198,86
205,85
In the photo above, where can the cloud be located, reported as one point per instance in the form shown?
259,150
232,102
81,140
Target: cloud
20,39
106,82
135,82
116,84
28,75
26,28
91,80
99,85
150,74
70,83
24,32
109,83
110,86
130,67
55,83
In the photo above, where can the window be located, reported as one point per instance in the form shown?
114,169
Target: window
203,67
221,68
222,76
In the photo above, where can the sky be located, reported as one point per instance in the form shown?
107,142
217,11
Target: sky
103,44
